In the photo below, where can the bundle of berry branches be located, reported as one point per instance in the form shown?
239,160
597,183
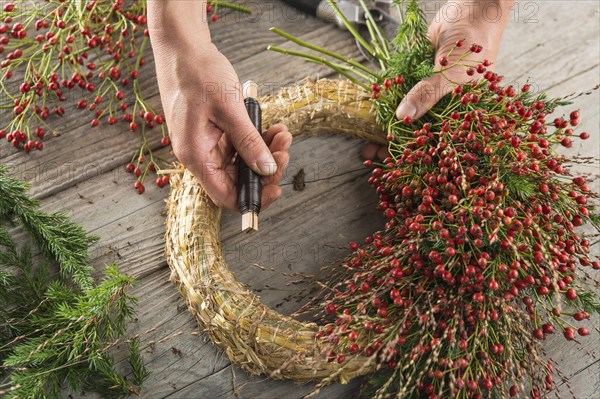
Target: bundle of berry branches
57,329
480,258
58,57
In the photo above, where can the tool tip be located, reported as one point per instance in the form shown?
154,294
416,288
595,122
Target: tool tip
249,222
250,89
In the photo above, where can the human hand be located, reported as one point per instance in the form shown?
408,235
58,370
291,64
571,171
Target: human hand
204,108
473,26
208,122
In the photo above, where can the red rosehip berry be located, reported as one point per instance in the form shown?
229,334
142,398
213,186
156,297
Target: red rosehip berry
487,384
443,60
547,328
478,297
375,87
399,79
95,122
214,17
9,7
583,331
569,334
407,120
584,135
387,83
459,43
330,308
130,167
571,294
390,213
133,126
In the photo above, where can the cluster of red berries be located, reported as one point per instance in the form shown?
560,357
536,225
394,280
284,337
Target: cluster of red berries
137,170
161,182
214,16
481,219
55,50
387,84
71,41
18,138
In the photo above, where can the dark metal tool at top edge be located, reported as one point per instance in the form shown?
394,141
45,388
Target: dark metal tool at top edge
354,12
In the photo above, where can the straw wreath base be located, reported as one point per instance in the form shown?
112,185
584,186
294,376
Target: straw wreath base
254,336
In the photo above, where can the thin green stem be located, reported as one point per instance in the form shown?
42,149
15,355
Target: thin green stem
351,28
325,51
320,60
374,27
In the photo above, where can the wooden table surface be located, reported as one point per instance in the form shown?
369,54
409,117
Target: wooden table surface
554,44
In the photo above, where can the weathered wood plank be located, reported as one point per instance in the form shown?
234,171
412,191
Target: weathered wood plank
131,226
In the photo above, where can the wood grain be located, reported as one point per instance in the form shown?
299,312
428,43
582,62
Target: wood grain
81,172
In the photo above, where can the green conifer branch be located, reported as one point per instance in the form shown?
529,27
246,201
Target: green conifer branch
58,237
58,333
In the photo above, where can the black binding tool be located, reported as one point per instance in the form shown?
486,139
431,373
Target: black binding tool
248,182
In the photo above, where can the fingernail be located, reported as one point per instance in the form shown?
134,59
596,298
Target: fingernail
267,166
406,109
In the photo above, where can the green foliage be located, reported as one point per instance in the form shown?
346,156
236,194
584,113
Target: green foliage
588,301
413,55
60,239
56,331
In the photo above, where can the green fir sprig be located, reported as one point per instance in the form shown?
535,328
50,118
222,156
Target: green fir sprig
57,330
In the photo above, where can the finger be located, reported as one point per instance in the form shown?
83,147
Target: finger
218,181
234,120
273,131
382,153
270,193
369,151
280,141
423,97
282,158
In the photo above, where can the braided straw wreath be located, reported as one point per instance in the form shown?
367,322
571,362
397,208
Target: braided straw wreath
254,336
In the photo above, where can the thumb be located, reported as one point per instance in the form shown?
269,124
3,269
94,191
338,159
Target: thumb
423,96
247,141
